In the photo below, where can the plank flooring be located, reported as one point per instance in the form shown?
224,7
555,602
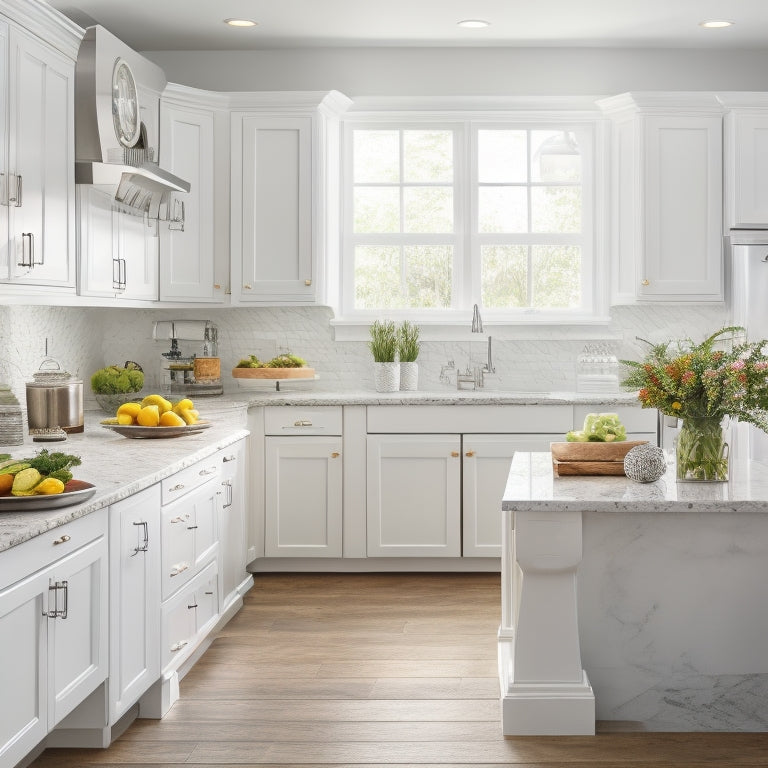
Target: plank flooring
346,670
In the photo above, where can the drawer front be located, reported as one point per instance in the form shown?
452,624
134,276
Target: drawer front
303,421
452,419
181,483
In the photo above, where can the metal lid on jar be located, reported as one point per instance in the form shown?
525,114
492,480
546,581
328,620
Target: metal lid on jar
48,376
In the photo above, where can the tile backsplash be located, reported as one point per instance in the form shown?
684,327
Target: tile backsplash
83,339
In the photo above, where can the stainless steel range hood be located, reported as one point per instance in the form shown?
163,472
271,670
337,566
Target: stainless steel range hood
127,168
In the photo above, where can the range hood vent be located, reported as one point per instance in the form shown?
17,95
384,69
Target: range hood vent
111,81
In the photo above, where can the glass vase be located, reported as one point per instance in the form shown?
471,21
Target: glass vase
702,450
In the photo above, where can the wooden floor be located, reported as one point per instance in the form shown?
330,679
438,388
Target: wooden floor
348,670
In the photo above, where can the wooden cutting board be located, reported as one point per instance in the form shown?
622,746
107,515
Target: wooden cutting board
273,373
590,458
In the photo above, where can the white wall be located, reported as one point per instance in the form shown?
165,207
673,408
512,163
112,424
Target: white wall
468,71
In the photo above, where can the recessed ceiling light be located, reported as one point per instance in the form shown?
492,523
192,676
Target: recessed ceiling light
715,24
241,23
473,23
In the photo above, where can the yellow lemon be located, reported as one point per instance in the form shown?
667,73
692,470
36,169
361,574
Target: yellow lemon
130,409
158,400
183,405
171,419
189,415
125,418
149,416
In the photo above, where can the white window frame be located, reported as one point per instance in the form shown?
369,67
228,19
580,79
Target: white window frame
589,126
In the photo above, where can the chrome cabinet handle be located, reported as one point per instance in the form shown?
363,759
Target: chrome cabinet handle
205,472
55,588
27,237
178,487
179,519
63,540
16,199
178,568
228,485
144,546
229,458
178,646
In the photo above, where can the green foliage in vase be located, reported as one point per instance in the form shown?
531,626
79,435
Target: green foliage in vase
408,342
383,343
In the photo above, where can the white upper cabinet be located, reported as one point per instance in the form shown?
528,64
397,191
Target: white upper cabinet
746,158
666,197
193,257
281,187
38,243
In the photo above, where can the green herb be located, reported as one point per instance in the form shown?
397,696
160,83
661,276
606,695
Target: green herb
286,361
114,380
383,343
408,342
599,428
49,463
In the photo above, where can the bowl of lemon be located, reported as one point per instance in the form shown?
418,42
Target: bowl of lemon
155,416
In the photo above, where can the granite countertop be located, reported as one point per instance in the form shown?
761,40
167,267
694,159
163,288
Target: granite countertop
318,397
531,486
117,466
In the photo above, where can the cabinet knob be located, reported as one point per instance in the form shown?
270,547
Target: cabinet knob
335,455
307,282
216,286
455,454
646,282
63,540
247,287
469,453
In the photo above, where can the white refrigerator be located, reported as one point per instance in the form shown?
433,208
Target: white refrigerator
748,256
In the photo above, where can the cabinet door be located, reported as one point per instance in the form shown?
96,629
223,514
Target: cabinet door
303,496
77,645
272,208
682,201
137,252
187,264
134,598
41,104
232,539
99,271
486,462
5,180
747,166
23,678
414,495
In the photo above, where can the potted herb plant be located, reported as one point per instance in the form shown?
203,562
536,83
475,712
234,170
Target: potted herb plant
408,347
114,385
383,346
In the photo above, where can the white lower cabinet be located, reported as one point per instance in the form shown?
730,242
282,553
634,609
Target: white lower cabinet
134,551
231,520
303,496
414,495
485,467
54,629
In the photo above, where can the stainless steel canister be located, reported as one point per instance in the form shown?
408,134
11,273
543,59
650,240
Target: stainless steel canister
55,399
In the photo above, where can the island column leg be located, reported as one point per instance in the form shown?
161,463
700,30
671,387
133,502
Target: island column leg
544,689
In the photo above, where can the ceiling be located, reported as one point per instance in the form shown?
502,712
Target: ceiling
155,25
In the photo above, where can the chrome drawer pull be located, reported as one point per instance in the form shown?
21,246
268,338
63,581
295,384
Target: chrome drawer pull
63,540
178,568
179,519
144,546
204,472
178,487
229,458
178,646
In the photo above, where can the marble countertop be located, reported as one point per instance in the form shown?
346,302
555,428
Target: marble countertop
318,397
118,466
531,486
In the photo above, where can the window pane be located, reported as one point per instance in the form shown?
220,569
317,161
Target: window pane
555,156
378,277
504,276
428,156
556,276
502,209
428,275
377,209
376,156
428,209
501,156
556,209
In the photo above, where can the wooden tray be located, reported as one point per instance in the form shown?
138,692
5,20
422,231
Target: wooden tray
273,373
590,458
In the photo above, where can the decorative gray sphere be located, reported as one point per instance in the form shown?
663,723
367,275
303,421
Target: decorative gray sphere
645,463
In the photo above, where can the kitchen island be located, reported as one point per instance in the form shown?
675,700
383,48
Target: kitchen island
639,603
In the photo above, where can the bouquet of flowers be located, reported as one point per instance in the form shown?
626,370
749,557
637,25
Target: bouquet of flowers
702,384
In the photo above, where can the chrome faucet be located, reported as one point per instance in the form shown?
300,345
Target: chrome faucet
479,372
477,321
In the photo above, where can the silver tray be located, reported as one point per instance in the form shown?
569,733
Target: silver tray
134,430
54,501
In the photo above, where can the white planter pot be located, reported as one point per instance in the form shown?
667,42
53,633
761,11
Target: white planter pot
409,377
386,377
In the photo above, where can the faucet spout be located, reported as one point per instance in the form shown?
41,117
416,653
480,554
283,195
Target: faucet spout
477,321
489,365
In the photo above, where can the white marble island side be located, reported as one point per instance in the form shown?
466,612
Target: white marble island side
650,599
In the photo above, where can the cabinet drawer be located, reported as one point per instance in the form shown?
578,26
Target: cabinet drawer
180,483
303,421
